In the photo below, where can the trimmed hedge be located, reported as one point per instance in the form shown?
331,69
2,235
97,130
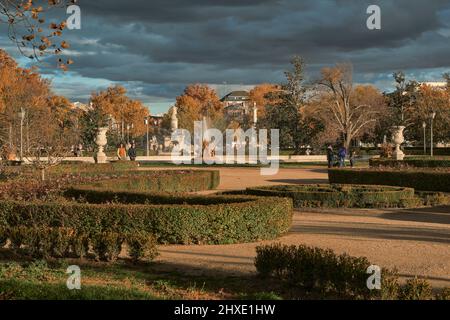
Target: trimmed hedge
411,162
323,271
44,242
314,269
355,196
166,181
76,168
422,180
171,219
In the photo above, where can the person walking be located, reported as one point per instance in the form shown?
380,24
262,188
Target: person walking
342,155
330,156
121,152
132,152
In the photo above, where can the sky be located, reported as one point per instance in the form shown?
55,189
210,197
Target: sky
155,48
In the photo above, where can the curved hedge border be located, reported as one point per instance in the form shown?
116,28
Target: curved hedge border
171,219
77,167
356,196
412,162
161,181
422,180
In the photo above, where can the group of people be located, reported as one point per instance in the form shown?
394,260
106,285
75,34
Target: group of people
340,156
77,150
129,150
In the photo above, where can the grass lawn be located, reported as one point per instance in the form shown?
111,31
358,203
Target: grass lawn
24,280
287,165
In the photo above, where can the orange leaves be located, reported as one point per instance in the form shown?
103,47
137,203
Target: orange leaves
263,95
29,15
198,101
65,45
116,103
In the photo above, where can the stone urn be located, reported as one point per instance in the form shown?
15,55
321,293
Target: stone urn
101,142
398,139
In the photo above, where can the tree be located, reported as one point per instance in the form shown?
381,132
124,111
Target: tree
402,100
28,28
196,102
431,99
90,122
350,115
20,90
127,115
51,134
265,95
290,114
446,77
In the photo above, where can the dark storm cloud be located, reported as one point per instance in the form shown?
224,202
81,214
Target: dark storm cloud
162,45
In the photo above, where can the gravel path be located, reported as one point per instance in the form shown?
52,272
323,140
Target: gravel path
415,241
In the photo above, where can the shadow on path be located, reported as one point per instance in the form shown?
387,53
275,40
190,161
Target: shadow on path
390,233
432,215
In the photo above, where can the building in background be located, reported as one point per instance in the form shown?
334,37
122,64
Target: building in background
237,104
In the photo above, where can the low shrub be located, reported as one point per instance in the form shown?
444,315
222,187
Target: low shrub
81,167
444,294
390,286
107,245
43,242
171,218
416,289
161,181
314,269
421,180
141,246
323,271
30,189
425,162
358,196
434,198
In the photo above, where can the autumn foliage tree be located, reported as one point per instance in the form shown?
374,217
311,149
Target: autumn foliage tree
126,115
196,102
265,95
20,90
29,29
431,99
32,118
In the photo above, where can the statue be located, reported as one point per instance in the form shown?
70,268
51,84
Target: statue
398,139
174,120
101,141
255,115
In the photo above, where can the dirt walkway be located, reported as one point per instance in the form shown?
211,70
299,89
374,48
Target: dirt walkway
415,241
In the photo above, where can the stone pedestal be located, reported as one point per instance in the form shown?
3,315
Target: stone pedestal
101,142
398,139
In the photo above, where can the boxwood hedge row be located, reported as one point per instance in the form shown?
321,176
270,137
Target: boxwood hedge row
421,180
80,167
44,242
357,196
171,219
166,181
411,162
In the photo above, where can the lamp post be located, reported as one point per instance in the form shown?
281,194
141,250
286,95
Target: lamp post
424,126
147,123
129,126
432,116
22,118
